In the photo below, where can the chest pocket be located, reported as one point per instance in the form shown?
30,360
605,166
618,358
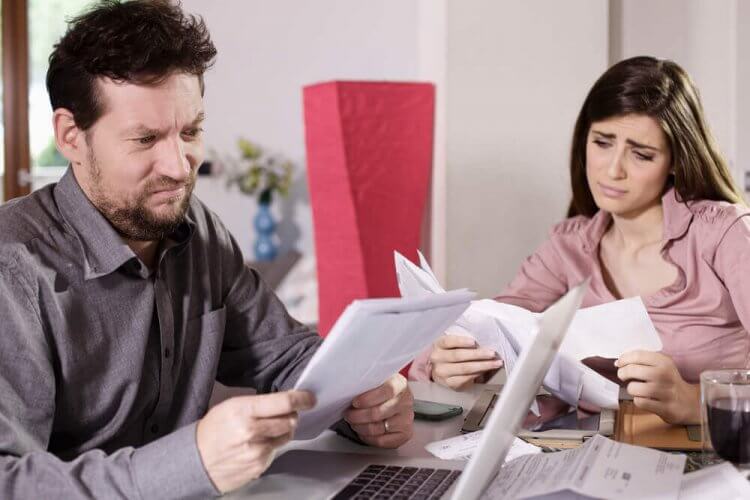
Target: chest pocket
211,321
204,336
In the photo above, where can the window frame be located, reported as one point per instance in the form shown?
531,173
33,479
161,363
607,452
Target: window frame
15,50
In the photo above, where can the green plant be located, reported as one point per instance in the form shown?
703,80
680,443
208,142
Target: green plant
259,172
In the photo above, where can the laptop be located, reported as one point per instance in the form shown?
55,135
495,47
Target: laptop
321,474
557,426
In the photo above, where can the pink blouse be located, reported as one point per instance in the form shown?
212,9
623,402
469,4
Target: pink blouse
702,318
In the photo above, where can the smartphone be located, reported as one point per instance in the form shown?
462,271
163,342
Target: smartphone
430,410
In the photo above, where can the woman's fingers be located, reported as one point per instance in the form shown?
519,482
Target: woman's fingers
638,372
455,342
461,355
475,368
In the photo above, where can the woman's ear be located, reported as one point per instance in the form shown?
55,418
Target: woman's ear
69,139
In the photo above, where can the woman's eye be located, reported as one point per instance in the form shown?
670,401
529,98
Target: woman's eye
600,143
643,157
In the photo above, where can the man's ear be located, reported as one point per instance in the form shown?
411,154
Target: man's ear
69,139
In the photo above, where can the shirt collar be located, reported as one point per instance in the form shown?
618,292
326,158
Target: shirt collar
103,247
677,218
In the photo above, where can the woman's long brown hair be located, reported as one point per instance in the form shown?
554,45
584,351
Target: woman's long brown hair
662,90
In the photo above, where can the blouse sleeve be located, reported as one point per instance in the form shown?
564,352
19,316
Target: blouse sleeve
539,282
732,265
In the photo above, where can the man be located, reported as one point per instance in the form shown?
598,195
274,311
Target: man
124,298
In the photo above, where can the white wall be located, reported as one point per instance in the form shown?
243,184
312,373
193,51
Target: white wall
700,36
742,132
267,51
511,76
517,73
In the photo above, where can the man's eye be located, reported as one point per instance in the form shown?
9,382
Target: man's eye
193,132
147,140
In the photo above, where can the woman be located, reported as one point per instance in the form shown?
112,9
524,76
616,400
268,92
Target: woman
654,213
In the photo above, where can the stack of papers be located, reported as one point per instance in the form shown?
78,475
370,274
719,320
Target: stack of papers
607,331
601,468
372,340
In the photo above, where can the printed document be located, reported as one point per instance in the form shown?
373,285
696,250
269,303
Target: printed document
601,468
608,330
462,446
371,340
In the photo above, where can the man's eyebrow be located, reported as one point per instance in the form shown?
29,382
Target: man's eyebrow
141,130
628,141
199,118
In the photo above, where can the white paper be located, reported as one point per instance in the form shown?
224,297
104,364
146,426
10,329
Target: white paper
600,468
414,281
718,482
461,447
608,330
371,341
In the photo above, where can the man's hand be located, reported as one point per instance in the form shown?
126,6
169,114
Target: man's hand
657,386
457,361
237,438
384,416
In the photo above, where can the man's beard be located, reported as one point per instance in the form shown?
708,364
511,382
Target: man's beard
134,221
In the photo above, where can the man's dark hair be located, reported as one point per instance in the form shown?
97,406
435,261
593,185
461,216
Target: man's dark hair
140,41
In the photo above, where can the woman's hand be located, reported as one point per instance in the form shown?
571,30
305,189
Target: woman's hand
657,386
457,361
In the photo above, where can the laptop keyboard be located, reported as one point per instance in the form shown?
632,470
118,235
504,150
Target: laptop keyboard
381,481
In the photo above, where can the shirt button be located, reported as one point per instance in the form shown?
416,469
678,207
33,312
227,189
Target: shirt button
155,428
167,352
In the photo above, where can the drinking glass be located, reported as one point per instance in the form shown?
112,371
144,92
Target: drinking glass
725,416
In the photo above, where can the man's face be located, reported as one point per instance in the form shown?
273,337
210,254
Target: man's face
143,154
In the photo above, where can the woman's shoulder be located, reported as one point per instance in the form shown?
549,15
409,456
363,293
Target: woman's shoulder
712,211
717,224
711,217
577,235
571,226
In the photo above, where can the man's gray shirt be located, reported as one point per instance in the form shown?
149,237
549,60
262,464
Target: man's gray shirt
105,366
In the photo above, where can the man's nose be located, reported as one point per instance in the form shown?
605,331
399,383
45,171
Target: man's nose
173,161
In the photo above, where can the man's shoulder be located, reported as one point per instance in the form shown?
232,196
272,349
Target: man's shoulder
30,226
28,218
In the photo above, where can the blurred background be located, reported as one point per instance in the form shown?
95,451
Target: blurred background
510,79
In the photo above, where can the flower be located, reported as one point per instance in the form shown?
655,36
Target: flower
261,173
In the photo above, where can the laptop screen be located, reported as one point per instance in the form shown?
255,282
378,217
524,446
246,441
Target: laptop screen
516,397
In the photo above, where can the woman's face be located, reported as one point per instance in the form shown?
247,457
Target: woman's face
627,164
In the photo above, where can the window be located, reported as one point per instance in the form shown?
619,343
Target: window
29,30
47,23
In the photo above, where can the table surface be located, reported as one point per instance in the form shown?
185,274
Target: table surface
424,431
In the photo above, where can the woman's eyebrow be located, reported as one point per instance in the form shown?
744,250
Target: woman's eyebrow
628,141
